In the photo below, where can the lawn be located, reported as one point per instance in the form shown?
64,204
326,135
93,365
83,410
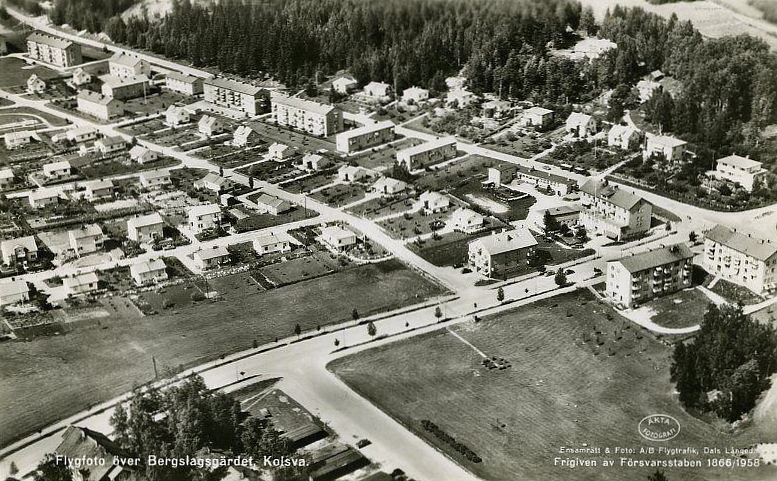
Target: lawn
310,182
119,165
30,112
680,309
15,72
72,372
382,158
261,221
563,388
340,194
301,141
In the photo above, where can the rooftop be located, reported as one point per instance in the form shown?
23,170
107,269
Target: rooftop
212,253
182,77
302,104
367,129
86,230
49,40
432,144
145,220
666,140
12,287
204,209
95,97
80,280
539,111
656,257
739,161
150,265
78,442
126,60
268,200
752,246
611,193
234,85
506,241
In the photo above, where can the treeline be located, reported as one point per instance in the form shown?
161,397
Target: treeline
90,15
29,6
729,84
732,356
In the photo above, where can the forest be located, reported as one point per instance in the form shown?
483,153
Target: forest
733,356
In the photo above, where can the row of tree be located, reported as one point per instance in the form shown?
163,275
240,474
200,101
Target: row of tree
727,365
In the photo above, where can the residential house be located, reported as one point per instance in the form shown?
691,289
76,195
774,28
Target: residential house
98,105
306,115
496,109
56,170
98,189
270,243
672,149
612,211
314,162
502,174
743,171
344,85
110,144
580,125
14,140
243,136
537,116
637,278
272,205
86,239
466,220
377,91
175,116
81,134
568,215
214,183
211,257
236,96
81,77
460,98
388,186
7,178
35,85
152,271
124,88
81,284
544,180
280,152
210,126
502,254
185,84
741,258
145,228
53,50
433,202
364,137
13,291
646,88
43,197
123,65
204,217
155,178
415,94
592,48
142,155
21,249
338,237
350,173
623,136
428,153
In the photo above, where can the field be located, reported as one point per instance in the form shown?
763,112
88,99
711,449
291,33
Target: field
27,113
15,72
681,309
562,389
73,371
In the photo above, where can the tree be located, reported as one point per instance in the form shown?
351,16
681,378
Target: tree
371,329
581,233
251,182
297,330
221,171
500,294
13,469
549,223
355,314
50,470
561,278
437,312
657,476
692,236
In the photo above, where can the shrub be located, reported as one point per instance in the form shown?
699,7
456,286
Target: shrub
450,441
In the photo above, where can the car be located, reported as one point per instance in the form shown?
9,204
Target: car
363,443
547,167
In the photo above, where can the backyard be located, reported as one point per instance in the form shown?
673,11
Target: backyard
118,356
566,386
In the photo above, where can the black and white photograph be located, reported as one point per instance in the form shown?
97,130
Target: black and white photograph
388,240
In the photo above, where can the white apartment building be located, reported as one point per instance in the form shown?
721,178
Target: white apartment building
740,170
98,105
311,117
428,153
122,65
185,84
145,228
233,95
612,211
637,278
204,217
365,137
741,258
53,50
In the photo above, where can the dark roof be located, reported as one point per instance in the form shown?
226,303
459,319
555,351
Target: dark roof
751,246
541,174
345,462
78,442
656,257
304,431
234,85
611,193
50,40
563,210
379,476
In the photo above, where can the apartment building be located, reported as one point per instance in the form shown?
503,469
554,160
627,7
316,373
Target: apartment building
145,228
612,211
671,148
204,217
53,50
122,65
365,137
501,254
741,258
311,117
638,278
234,95
185,84
428,153
740,170
100,106
123,88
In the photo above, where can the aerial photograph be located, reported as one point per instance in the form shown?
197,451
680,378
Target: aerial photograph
388,240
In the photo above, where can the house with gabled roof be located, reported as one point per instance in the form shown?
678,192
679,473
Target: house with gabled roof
13,291
501,254
21,249
210,126
272,205
81,283
433,202
142,155
742,258
98,189
271,243
86,239
145,228
388,186
623,136
580,125
204,217
35,84
43,197
613,211
151,271
466,220
344,85
175,116
338,237
211,257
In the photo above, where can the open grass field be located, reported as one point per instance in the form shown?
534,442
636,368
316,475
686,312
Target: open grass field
73,371
31,113
15,72
562,389
681,309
